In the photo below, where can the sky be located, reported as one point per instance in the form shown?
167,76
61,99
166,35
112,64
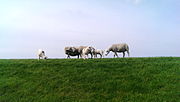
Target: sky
151,28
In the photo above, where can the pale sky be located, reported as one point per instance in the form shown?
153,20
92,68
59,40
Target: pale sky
151,28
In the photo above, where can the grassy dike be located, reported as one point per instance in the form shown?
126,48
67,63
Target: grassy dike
92,80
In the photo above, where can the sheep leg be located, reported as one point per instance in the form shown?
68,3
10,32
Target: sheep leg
85,56
91,55
128,52
100,55
116,54
123,54
94,55
81,55
68,57
103,54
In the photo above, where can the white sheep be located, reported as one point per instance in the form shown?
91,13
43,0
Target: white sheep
118,48
41,54
88,50
80,50
99,52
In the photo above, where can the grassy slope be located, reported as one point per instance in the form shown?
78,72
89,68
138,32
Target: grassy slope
94,80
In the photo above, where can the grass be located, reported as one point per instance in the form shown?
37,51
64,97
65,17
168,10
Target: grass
92,80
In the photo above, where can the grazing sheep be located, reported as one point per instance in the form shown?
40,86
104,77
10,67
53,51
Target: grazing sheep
71,51
88,50
41,54
99,52
118,48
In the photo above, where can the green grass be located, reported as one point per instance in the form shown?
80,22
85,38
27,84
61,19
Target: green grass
92,80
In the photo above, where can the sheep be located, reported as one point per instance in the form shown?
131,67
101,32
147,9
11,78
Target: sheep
80,49
71,51
123,47
74,51
41,54
88,50
100,52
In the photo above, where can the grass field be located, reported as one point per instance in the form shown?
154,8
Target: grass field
92,80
